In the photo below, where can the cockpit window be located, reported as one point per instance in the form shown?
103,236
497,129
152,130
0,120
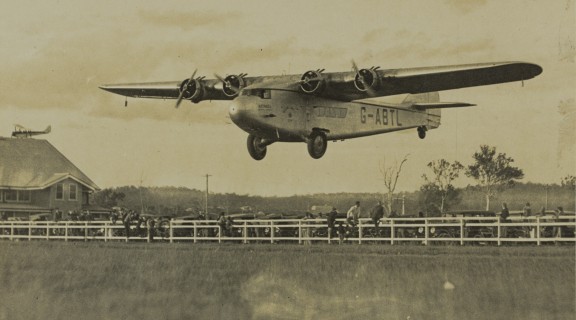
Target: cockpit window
262,93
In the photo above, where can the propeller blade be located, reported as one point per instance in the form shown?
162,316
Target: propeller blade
354,66
181,95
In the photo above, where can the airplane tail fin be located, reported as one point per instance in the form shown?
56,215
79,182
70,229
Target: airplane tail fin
48,129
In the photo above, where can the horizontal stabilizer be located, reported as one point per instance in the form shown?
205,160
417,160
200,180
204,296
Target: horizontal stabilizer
440,105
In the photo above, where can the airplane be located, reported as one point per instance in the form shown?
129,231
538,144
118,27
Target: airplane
23,132
316,106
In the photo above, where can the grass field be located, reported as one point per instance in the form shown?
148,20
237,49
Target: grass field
77,280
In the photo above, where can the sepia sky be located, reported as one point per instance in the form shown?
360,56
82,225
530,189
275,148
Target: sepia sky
55,54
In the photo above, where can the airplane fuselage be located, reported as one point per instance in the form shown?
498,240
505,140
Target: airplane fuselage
286,116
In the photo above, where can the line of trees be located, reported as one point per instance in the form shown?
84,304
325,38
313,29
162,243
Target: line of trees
493,171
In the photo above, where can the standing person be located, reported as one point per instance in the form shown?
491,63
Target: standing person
229,227
331,221
527,210
526,213
306,230
504,214
151,223
377,213
221,223
126,216
353,214
556,230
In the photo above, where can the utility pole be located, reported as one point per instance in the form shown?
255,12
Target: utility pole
206,204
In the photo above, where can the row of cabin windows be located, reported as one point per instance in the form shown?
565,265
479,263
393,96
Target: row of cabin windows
72,191
15,196
262,93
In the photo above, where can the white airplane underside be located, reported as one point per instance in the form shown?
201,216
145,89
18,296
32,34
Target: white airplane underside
318,107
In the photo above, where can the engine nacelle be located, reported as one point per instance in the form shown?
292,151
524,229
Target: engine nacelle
312,81
367,79
192,90
233,84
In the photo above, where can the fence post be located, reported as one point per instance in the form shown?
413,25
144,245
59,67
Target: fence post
299,232
85,231
538,242
29,230
462,231
359,232
426,233
66,232
11,231
195,231
106,230
272,231
47,230
392,231
245,233
219,234
170,231
499,234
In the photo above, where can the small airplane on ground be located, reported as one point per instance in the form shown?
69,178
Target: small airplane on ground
23,132
317,106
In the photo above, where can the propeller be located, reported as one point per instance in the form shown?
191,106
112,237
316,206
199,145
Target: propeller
181,95
366,86
311,80
227,84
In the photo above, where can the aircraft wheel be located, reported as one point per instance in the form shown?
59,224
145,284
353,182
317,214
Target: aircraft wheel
317,144
256,148
421,132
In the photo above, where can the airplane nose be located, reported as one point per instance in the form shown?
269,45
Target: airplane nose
235,110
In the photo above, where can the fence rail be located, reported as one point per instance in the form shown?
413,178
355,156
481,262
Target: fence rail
426,231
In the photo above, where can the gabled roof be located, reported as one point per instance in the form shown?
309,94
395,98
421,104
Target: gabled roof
32,164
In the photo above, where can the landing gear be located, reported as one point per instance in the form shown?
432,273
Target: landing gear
256,147
317,144
421,132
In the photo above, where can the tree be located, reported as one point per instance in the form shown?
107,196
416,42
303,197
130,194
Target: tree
569,181
390,176
444,173
109,198
493,171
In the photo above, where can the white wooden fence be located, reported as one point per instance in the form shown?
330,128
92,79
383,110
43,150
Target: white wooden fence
424,231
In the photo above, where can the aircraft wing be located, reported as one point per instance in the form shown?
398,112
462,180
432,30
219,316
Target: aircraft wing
158,90
342,86
373,82
418,80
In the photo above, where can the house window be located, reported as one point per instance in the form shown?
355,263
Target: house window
24,196
60,191
17,196
73,192
11,195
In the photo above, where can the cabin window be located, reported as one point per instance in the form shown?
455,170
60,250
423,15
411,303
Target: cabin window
262,93
73,192
60,191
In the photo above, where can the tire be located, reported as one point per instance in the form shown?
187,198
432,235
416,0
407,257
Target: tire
255,148
317,144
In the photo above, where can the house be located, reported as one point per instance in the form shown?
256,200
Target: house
36,179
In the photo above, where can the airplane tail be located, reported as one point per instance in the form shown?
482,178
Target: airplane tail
48,129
